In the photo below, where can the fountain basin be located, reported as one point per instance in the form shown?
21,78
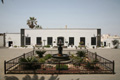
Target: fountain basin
62,57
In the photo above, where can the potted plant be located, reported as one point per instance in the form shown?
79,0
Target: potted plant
40,53
80,44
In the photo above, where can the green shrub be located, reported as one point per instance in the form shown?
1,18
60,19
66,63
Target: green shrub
77,61
115,43
24,46
41,60
102,46
81,53
72,56
28,59
91,66
95,61
47,56
40,53
47,46
29,62
15,46
62,67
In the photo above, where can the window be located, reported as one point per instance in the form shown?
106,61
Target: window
39,41
82,40
49,40
71,40
93,40
28,40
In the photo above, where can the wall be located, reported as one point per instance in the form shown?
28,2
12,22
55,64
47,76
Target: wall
66,33
14,37
1,41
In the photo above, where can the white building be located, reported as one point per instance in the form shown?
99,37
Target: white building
12,39
107,39
69,36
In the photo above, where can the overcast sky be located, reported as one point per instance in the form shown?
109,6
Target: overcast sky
104,14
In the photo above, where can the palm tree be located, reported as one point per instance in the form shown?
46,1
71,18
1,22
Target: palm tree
115,43
38,27
2,1
32,22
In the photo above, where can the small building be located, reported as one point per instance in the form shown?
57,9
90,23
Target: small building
70,37
12,39
107,39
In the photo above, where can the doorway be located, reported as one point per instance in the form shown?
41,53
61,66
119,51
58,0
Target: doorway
60,38
10,43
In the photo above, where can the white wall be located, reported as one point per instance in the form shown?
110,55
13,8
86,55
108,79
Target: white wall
15,37
1,41
76,33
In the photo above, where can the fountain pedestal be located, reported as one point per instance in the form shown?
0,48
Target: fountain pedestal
60,56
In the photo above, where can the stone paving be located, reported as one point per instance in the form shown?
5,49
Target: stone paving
111,54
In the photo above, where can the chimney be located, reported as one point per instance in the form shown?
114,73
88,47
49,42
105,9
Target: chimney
66,26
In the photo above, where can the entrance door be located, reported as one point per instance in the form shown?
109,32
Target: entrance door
60,38
104,43
10,43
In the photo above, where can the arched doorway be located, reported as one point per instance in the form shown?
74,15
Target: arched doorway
10,43
60,38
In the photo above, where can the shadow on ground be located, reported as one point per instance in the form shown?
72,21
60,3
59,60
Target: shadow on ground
35,77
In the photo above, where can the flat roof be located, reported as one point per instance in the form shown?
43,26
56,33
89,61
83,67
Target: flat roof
12,33
63,29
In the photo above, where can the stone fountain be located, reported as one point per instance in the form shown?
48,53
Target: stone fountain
60,56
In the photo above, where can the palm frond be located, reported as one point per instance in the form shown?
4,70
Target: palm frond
2,1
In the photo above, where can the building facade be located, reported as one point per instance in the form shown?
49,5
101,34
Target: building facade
68,36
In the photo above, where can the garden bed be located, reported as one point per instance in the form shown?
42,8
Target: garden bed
83,63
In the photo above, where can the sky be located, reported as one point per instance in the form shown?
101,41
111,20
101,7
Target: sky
104,14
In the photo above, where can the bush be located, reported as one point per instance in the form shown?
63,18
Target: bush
115,43
62,67
77,61
102,46
72,56
28,59
24,46
41,60
48,56
47,46
91,66
15,46
96,61
81,53
40,53
29,62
